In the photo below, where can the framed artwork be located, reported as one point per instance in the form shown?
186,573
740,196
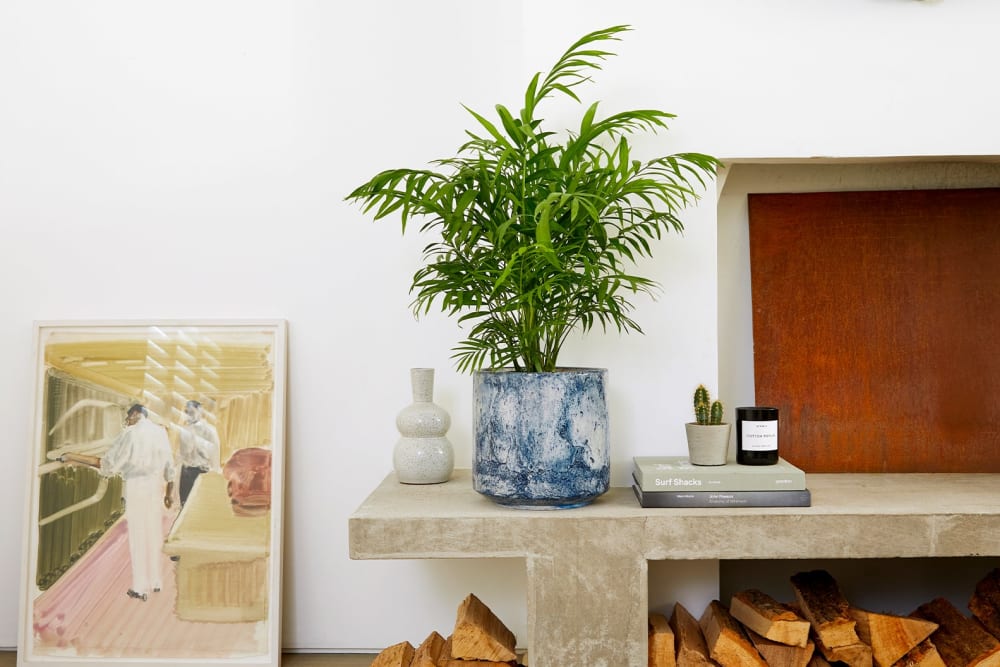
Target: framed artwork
153,526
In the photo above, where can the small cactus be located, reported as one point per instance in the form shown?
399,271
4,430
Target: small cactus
706,411
716,413
702,413
701,396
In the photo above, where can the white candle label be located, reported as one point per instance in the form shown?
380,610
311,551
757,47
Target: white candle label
760,436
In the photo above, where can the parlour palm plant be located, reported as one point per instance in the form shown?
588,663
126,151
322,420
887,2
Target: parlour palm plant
537,231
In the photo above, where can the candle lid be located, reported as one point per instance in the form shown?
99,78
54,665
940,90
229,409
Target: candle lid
757,413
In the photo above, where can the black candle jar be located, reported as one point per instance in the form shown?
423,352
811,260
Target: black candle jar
757,436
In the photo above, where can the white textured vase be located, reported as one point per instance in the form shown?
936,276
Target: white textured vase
423,455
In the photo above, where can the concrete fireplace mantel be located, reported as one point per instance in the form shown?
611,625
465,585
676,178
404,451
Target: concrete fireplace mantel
587,568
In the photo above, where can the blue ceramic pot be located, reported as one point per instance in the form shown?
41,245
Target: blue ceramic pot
541,439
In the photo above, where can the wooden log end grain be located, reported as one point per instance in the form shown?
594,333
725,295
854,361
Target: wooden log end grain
959,639
985,602
480,635
689,639
661,642
727,643
824,606
769,618
778,654
890,636
924,654
397,655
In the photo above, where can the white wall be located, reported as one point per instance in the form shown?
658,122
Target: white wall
189,159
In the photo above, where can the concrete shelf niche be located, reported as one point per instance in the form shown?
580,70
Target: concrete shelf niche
587,569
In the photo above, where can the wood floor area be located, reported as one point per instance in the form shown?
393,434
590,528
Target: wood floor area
325,660
9,659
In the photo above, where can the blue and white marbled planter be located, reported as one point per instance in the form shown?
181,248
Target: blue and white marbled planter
541,439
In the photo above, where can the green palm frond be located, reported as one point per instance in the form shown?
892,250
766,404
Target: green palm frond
535,233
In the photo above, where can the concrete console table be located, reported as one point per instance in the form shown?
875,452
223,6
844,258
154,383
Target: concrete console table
587,568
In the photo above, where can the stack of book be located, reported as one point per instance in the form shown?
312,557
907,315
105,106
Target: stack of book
673,481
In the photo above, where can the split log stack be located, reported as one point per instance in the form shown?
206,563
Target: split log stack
820,628
479,639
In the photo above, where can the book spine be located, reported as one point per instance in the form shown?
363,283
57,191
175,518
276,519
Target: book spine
681,499
709,482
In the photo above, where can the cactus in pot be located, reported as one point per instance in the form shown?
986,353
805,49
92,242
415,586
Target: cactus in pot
706,411
708,436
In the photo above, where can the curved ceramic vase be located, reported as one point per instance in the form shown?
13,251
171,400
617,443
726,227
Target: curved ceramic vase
423,455
541,439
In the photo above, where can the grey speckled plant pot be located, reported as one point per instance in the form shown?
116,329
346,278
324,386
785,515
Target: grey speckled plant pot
541,439
708,444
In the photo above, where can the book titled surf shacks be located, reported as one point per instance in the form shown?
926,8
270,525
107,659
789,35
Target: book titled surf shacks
677,473
673,481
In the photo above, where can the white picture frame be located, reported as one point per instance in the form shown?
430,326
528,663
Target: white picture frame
115,400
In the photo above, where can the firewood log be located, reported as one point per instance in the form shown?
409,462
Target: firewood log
825,607
924,654
857,654
727,643
818,661
397,655
891,637
447,660
661,642
691,648
769,618
985,602
779,654
445,650
430,652
961,641
480,635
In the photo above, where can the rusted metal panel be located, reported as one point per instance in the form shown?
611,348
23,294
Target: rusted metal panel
876,324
